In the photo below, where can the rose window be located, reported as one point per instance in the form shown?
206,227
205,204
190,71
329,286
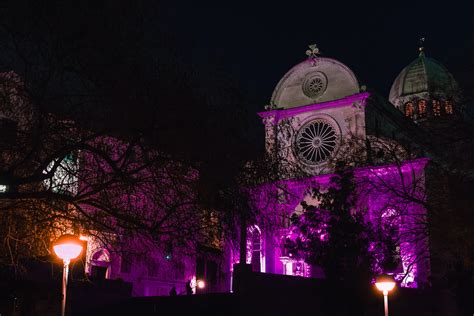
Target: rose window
314,85
316,142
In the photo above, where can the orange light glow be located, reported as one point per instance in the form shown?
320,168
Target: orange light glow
385,284
201,284
68,247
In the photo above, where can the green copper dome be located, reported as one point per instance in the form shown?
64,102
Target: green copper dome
424,78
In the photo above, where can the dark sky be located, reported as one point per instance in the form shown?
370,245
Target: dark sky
259,42
133,47
256,42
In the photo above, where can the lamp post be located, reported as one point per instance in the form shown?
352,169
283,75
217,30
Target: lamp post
385,283
67,248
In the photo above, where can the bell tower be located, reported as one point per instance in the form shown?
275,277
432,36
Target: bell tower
425,90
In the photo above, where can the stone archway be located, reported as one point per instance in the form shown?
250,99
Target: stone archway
100,264
255,249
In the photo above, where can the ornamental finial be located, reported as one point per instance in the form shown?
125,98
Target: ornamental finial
421,49
313,51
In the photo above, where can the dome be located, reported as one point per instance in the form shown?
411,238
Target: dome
315,80
425,78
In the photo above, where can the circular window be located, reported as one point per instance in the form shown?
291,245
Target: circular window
315,142
314,85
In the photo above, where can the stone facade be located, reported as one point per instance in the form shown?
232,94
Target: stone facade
312,125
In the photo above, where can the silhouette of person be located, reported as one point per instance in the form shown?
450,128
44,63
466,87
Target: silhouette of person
173,291
189,289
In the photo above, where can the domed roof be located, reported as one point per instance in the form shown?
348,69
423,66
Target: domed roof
316,79
423,78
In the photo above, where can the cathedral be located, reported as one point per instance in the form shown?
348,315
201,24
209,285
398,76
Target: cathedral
318,115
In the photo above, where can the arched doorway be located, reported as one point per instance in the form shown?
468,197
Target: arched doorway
100,265
255,249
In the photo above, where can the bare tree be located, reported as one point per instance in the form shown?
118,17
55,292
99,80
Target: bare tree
70,161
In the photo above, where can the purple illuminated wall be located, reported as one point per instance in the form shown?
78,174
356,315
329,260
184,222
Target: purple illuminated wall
382,192
395,192
135,255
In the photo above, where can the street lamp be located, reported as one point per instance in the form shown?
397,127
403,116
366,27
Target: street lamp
67,248
385,283
200,284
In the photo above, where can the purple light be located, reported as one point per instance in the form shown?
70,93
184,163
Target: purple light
381,205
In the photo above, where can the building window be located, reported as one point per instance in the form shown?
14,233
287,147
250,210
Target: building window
390,221
3,188
422,108
315,85
256,250
409,109
298,268
316,142
255,255
100,265
448,107
64,180
436,108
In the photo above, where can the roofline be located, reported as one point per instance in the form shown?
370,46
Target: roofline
282,113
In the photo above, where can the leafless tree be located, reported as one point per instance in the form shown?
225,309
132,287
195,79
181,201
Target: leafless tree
70,161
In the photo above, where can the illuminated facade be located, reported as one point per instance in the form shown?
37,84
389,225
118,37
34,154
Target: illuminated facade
316,109
152,266
317,113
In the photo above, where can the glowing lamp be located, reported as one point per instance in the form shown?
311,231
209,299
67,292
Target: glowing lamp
68,247
385,283
201,284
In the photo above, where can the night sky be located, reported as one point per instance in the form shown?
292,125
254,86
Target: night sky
258,43
261,41
235,53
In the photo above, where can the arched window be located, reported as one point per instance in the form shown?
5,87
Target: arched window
448,107
436,108
421,108
390,221
100,264
255,249
409,109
